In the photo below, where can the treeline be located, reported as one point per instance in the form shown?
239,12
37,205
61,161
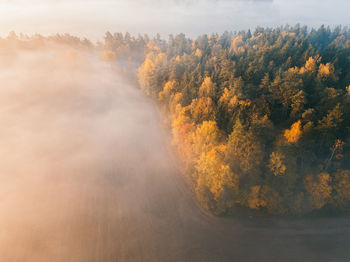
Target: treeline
260,119
34,42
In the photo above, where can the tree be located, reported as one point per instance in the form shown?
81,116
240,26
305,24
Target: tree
165,95
294,133
331,123
342,190
276,165
206,136
318,189
326,73
336,150
208,88
152,73
203,109
215,175
245,154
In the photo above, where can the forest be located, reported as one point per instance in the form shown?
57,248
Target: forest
260,119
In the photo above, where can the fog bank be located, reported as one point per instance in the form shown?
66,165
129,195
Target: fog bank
77,143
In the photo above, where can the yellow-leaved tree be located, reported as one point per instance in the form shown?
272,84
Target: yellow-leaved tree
244,150
208,88
205,138
165,95
151,73
294,133
203,109
216,185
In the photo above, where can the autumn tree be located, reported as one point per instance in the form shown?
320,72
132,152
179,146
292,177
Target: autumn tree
208,88
205,137
294,133
319,189
245,154
216,185
152,73
341,198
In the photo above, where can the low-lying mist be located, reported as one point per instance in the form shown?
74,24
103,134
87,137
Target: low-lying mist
60,108
76,142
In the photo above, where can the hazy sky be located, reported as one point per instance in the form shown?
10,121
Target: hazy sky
92,18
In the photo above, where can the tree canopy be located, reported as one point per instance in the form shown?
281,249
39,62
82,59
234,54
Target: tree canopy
261,118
